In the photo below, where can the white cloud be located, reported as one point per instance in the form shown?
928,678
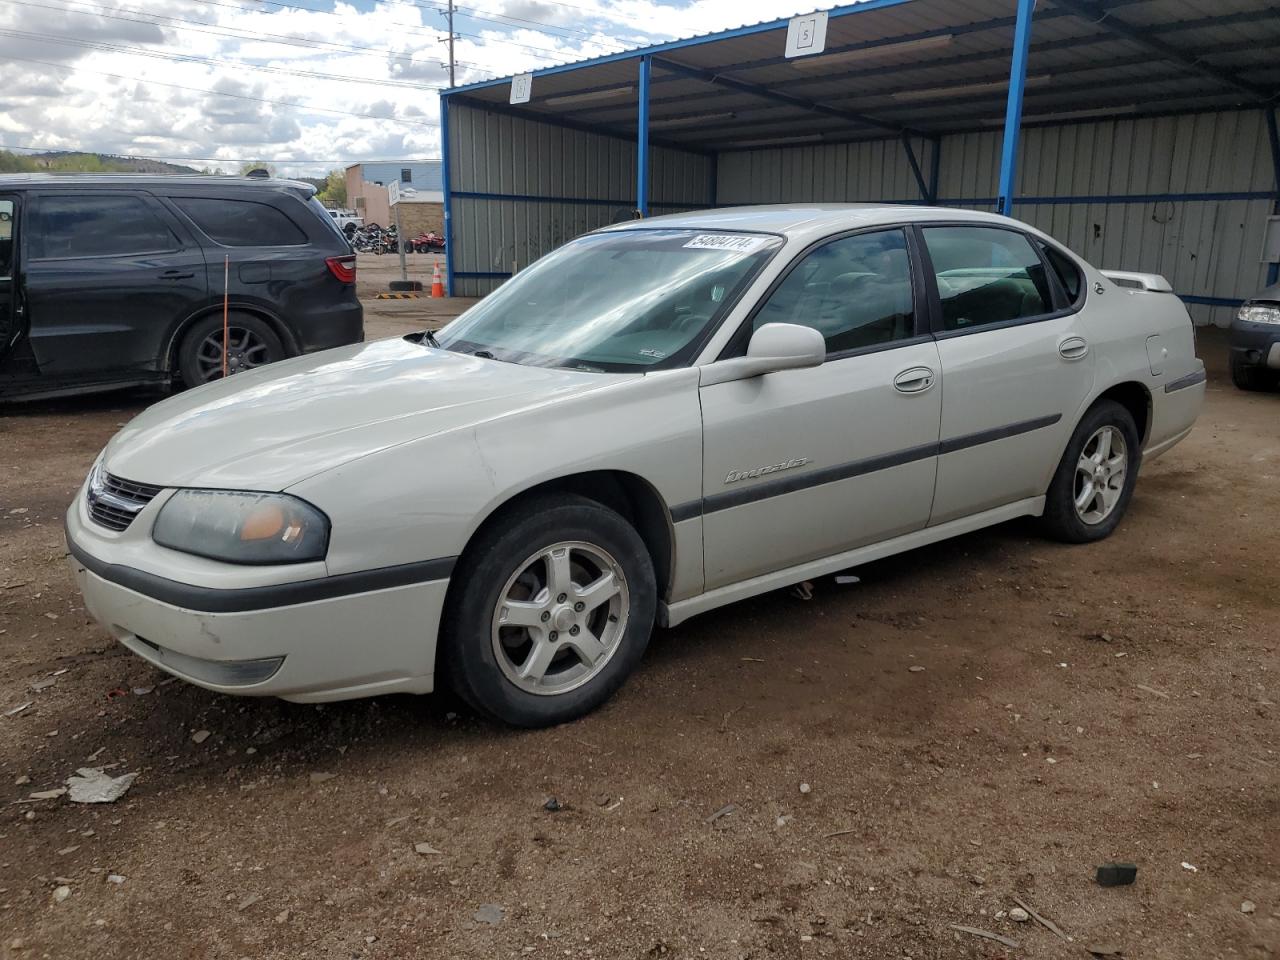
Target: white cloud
234,80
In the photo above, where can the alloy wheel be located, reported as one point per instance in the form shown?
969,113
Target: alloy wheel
560,617
1100,474
245,350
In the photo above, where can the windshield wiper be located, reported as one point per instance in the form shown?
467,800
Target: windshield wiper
483,355
430,337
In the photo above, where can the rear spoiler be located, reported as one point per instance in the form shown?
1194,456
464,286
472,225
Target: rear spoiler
1150,282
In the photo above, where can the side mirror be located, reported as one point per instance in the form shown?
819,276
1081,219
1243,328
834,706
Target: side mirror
775,346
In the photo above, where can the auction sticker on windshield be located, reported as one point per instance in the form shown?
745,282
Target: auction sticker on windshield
726,241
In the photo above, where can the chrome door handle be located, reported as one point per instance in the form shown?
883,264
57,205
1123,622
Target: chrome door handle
914,380
1073,348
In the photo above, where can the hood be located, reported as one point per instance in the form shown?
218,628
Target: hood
269,428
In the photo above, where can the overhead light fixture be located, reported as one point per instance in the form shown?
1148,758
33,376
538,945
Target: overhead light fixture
1101,112
880,52
606,94
689,121
777,141
964,89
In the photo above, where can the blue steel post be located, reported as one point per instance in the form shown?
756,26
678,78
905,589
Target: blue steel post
1013,108
448,186
1273,269
642,139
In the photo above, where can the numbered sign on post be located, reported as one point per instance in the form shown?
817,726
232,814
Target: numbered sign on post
807,35
521,88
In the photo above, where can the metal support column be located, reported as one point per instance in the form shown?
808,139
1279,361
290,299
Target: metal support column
1013,108
447,186
935,168
1273,269
642,139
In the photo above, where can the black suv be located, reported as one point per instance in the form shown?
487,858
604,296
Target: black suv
110,281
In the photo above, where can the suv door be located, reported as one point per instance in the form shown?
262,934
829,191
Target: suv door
10,313
1016,362
108,277
803,464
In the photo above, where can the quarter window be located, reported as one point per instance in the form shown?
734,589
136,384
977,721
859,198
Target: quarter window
241,223
7,215
986,275
1068,273
855,291
85,226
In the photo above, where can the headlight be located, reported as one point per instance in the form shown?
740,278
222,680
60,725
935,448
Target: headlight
258,528
1259,313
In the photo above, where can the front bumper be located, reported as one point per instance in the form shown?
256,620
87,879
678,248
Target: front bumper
358,644
1255,344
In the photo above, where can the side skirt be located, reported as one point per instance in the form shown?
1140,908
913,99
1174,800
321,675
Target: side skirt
671,614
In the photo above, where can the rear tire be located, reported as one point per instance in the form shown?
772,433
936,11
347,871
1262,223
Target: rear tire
1093,484
551,609
252,343
1248,376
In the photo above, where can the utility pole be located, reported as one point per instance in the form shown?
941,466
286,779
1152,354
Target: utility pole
451,43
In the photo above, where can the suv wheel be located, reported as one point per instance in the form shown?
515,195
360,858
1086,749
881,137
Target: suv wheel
553,609
1094,481
250,343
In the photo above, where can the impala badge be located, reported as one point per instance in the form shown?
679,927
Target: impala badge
735,475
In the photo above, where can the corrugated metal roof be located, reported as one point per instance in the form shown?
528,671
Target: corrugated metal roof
923,66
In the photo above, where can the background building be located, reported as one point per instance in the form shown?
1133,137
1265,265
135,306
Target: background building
421,212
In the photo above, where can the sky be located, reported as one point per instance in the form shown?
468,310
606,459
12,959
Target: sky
306,85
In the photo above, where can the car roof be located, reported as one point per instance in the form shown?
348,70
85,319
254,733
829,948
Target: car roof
801,221
149,180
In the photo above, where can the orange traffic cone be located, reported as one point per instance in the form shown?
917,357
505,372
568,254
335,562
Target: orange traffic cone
437,284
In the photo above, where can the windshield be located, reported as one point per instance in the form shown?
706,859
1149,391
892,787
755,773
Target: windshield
619,301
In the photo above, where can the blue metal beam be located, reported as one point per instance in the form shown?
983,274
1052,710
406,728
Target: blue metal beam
935,169
446,186
642,137
1013,108
1273,269
915,168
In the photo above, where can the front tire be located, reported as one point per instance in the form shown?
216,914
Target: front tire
1247,376
552,608
1093,484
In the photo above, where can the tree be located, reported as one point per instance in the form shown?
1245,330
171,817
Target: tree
334,193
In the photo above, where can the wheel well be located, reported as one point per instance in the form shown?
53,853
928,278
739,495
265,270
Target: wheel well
631,496
280,329
1135,398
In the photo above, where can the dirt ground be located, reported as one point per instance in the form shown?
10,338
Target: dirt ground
1077,705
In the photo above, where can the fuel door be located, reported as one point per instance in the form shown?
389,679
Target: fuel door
1157,354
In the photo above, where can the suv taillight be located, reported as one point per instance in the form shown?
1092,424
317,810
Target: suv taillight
344,268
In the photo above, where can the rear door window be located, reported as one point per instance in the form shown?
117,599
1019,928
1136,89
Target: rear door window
986,276
82,225
241,223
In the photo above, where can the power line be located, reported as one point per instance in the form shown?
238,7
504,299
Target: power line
219,93
208,61
221,31
279,160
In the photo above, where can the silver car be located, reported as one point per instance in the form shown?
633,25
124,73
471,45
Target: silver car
656,419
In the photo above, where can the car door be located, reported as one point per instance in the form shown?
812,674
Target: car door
109,276
1016,366
803,464
10,315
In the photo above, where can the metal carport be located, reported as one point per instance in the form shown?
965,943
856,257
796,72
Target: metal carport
1140,132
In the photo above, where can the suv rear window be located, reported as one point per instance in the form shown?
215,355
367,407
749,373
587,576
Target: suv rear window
241,223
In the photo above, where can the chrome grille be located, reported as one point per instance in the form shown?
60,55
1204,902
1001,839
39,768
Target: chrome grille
114,501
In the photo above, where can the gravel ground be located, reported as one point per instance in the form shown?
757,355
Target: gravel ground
1077,705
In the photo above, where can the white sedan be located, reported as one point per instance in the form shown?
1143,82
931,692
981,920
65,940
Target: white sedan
656,419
